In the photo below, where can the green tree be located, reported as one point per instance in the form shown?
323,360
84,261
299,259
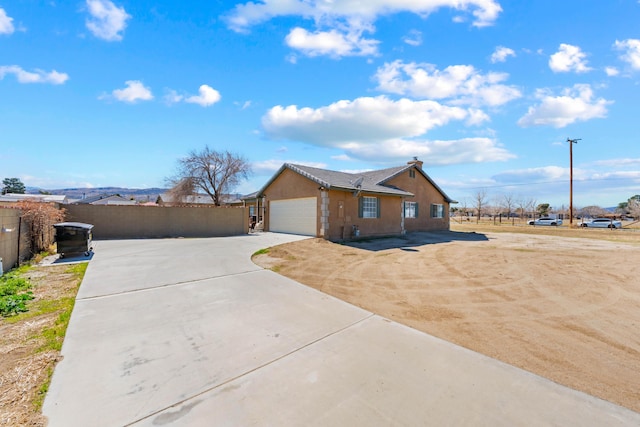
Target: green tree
543,209
13,185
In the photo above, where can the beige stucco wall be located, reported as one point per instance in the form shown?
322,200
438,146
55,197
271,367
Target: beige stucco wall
426,195
132,222
338,210
343,216
341,208
290,185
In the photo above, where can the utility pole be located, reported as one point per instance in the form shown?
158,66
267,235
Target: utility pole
571,142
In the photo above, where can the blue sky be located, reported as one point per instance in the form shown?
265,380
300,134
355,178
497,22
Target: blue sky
486,92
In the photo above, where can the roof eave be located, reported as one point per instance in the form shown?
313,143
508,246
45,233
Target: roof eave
292,168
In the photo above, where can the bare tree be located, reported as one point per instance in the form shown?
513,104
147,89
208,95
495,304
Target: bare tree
213,172
531,206
592,211
496,206
522,206
481,200
508,203
39,217
634,207
464,210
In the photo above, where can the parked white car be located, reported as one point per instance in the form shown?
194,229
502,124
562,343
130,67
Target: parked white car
602,223
545,221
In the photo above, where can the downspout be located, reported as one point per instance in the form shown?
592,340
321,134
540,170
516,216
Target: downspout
402,230
264,212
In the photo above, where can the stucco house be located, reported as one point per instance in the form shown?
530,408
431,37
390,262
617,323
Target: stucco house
338,205
106,199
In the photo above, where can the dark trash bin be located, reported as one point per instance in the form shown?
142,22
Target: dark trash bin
73,238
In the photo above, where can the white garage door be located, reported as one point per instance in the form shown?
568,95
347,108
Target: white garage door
295,216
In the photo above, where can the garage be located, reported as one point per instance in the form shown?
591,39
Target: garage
294,216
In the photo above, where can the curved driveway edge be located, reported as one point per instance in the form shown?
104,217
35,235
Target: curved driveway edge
191,332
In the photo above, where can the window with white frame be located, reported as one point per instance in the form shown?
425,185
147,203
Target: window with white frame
411,209
437,210
369,207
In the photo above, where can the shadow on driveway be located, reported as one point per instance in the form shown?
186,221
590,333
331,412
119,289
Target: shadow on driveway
68,259
414,239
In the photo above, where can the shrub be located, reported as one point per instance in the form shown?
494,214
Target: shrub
14,293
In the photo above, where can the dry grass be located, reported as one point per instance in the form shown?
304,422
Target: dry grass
630,233
30,343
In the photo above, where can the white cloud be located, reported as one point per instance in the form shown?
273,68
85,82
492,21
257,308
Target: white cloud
172,97
618,163
269,167
477,117
533,175
331,43
633,177
135,91
361,119
631,55
433,152
340,24
414,38
380,128
6,23
573,105
460,84
568,58
36,76
501,54
611,71
207,96
484,12
107,21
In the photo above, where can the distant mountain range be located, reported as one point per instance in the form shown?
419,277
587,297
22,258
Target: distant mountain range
141,194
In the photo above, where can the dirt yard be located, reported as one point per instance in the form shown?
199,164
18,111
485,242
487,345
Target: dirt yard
29,347
566,308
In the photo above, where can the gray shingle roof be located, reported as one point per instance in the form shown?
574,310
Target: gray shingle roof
371,181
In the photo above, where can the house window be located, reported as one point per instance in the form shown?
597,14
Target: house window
411,209
369,207
252,210
412,173
437,211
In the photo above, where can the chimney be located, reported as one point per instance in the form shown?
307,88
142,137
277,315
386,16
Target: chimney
416,162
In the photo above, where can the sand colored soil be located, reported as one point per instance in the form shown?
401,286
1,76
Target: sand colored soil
24,365
565,308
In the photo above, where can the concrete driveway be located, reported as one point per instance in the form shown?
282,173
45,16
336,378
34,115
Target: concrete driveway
190,332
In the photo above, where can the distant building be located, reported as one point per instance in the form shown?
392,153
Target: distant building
12,197
113,199
166,199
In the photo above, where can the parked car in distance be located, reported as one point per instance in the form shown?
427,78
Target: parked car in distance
545,221
602,223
